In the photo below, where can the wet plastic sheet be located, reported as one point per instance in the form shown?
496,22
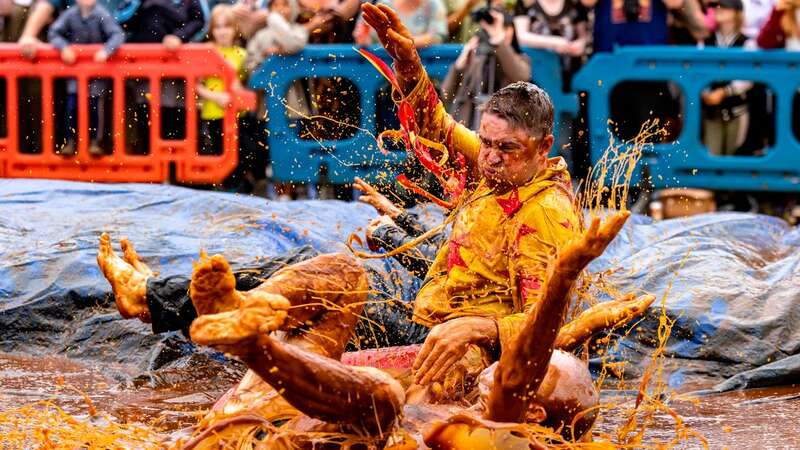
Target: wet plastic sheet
731,280
53,297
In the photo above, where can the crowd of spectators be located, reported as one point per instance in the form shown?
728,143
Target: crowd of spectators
494,33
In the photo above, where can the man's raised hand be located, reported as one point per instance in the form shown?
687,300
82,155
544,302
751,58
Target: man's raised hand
397,41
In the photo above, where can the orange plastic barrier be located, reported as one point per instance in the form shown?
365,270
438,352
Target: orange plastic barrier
152,62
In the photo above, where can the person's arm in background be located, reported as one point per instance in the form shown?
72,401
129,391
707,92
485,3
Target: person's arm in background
41,13
516,67
248,19
455,76
112,33
290,39
57,35
456,18
733,89
256,47
522,26
695,19
771,34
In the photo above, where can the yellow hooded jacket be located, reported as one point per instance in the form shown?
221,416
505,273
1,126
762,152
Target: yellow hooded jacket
494,262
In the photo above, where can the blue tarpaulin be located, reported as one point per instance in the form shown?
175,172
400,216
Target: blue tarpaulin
731,280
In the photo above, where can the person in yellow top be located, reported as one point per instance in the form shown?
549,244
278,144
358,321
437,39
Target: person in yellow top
212,90
520,211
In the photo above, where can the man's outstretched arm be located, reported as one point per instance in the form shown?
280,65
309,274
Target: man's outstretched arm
433,121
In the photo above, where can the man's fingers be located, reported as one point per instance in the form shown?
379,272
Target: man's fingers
423,352
375,17
439,371
428,362
363,186
403,46
615,224
393,20
593,227
423,375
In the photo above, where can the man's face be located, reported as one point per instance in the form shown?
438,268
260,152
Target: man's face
509,157
87,4
223,32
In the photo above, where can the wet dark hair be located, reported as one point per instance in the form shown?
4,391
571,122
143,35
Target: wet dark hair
524,105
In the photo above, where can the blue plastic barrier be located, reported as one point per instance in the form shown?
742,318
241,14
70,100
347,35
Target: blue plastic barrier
298,160
687,162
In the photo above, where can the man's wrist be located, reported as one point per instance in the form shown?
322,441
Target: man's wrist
394,212
489,332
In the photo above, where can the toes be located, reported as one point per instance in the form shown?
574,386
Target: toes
128,252
220,264
105,244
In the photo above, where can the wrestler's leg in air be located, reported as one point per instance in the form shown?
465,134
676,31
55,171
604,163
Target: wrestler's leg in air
317,301
326,293
128,278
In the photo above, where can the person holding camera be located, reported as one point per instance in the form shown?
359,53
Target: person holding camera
490,60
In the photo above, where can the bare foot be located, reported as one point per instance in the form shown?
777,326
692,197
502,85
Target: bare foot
129,285
259,313
131,257
213,288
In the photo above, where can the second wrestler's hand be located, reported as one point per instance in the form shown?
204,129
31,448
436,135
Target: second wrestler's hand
396,39
448,342
372,197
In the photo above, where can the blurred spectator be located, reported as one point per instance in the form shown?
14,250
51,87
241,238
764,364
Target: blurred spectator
688,24
725,117
426,20
282,35
43,11
782,28
562,26
334,20
630,22
490,61
13,14
86,23
636,22
250,16
756,13
558,25
212,90
170,22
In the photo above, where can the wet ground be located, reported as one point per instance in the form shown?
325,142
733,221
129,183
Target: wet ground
762,418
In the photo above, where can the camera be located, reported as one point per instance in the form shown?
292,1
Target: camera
483,14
